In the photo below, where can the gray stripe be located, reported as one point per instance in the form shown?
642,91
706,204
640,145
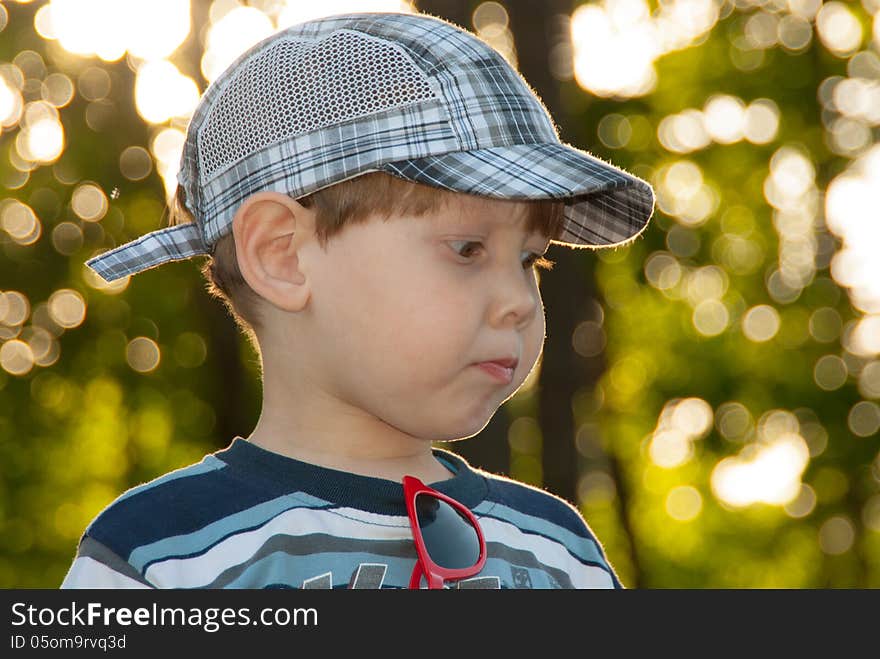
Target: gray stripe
91,548
321,582
369,576
479,583
524,558
314,545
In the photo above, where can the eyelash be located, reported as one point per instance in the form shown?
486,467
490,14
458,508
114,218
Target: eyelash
538,261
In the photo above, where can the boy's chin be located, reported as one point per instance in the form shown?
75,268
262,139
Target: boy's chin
451,425
465,431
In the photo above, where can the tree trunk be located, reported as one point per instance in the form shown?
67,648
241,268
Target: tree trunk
568,288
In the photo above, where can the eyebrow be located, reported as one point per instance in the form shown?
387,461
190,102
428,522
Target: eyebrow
482,221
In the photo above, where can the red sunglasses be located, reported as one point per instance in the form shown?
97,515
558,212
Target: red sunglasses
449,541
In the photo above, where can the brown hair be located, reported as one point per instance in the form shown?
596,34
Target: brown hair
349,202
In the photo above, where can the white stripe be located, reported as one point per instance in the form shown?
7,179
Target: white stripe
549,552
86,572
199,571
202,570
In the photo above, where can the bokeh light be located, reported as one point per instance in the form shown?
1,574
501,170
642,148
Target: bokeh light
596,488
293,11
142,354
491,22
683,194
681,423
662,270
97,282
41,139
762,473
760,323
710,317
167,148
190,350
626,37
847,199
162,92
230,35
135,163
15,308
94,83
864,340
684,503
20,222
871,513
838,28
803,504
836,535
734,421
89,202
724,119
16,357
825,324
830,372
11,103
614,130
588,338
864,418
67,308
147,29
869,380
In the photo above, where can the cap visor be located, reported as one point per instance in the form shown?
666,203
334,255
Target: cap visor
604,205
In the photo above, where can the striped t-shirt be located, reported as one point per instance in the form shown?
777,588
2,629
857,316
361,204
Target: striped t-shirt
245,517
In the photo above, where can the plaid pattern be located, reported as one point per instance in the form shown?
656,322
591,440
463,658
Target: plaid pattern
313,161
607,206
168,244
483,131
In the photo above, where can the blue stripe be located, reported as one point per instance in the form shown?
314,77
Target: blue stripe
585,549
540,577
202,540
209,463
177,504
283,568
280,568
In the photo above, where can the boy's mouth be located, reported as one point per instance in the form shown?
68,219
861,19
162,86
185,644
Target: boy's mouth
500,369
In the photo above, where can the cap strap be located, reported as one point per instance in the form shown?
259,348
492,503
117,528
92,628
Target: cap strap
168,244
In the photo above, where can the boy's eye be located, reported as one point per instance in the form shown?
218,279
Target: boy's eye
467,251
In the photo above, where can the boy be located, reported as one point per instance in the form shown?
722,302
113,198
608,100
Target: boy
373,191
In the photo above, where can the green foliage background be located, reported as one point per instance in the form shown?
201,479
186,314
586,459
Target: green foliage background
77,433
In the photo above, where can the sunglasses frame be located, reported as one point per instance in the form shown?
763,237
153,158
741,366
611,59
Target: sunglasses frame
434,574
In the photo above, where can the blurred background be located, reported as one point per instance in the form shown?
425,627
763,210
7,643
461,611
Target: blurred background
708,395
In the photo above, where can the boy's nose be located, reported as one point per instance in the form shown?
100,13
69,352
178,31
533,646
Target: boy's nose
515,299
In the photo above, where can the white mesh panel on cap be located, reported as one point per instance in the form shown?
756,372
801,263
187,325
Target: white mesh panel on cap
345,76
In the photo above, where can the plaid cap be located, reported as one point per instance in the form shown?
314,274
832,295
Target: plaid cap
407,94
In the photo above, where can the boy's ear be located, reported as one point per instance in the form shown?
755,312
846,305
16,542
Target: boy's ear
268,229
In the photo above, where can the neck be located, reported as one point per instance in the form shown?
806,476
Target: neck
387,460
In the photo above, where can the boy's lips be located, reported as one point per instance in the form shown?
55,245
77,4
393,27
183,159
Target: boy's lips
500,369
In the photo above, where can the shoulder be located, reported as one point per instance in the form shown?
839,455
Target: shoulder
172,504
528,500
141,516
537,517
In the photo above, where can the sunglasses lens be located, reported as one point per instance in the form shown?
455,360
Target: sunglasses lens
449,536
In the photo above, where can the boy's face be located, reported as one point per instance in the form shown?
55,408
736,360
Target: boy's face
403,310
